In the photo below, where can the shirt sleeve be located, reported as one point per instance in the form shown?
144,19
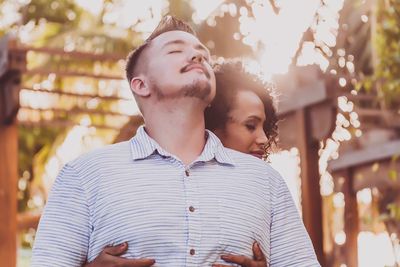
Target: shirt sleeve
63,233
290,242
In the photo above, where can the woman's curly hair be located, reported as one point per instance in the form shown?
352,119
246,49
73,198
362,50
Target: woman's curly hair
232,77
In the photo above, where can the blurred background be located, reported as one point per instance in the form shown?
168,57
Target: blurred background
335,63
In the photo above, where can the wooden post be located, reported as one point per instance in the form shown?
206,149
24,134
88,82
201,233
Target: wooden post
11,65
8,194
310,189
351,222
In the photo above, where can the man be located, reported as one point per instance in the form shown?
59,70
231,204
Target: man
173,192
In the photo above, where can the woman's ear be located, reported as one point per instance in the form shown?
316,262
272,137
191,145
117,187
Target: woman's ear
140,87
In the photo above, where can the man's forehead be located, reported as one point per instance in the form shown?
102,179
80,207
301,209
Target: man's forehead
175,37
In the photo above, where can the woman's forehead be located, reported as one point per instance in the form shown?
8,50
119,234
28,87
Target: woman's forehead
248,103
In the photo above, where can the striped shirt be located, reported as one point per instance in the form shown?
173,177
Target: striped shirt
179,215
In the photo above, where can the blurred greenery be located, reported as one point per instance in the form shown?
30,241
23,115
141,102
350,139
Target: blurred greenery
65,12
58,23
386,76
31,141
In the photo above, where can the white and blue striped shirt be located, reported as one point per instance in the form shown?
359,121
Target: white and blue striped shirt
178,215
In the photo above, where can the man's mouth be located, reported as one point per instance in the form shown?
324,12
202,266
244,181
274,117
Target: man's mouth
195,66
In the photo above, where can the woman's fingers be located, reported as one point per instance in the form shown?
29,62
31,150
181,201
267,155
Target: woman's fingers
116,250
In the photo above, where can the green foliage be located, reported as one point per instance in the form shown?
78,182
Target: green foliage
394,211
61,24
387,45
30,141
181,9
58,11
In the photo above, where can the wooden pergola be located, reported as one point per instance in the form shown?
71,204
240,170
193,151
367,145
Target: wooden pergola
13,66
363,162
356,170
307,109
366,164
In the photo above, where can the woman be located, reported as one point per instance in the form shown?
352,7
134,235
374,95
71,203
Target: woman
243,117
242,114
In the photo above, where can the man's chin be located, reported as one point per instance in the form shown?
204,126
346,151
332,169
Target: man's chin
198,89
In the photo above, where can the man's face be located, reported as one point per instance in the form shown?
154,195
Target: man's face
178,66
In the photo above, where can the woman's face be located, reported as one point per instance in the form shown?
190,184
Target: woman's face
244,129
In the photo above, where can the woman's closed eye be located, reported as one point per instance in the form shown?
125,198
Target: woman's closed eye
174,51
250,126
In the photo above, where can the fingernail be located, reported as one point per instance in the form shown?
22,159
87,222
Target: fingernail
123,244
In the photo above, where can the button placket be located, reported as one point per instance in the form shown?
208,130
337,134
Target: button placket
194,226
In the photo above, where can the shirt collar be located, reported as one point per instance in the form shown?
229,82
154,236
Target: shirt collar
142,146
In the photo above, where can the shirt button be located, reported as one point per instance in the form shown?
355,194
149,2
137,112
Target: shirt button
187,172
192,252
191,209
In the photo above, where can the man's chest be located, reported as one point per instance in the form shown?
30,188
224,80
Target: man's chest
179,211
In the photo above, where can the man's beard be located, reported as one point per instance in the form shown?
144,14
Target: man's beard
198,89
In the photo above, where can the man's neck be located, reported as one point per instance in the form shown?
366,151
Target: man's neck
179,130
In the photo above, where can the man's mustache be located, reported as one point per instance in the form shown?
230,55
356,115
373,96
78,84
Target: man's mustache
196,65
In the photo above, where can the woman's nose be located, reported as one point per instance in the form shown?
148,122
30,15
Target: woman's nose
261,138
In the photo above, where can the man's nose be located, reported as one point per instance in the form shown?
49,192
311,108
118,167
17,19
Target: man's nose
196,56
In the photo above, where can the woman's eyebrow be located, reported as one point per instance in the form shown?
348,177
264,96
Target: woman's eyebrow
254,117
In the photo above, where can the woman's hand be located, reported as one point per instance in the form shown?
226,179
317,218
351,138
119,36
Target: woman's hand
110,257
258,260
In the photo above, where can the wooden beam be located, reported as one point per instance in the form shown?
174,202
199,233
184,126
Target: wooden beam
359,97
365,156
76,111
8,194
61,92
59,123
45,72
74,54
351,220
369,112
303,97
310,189
390,118
377,174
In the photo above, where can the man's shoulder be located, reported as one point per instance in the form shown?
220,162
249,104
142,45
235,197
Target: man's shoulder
249,162
105,154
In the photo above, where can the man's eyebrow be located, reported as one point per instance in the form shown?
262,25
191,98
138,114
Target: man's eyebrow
199,46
